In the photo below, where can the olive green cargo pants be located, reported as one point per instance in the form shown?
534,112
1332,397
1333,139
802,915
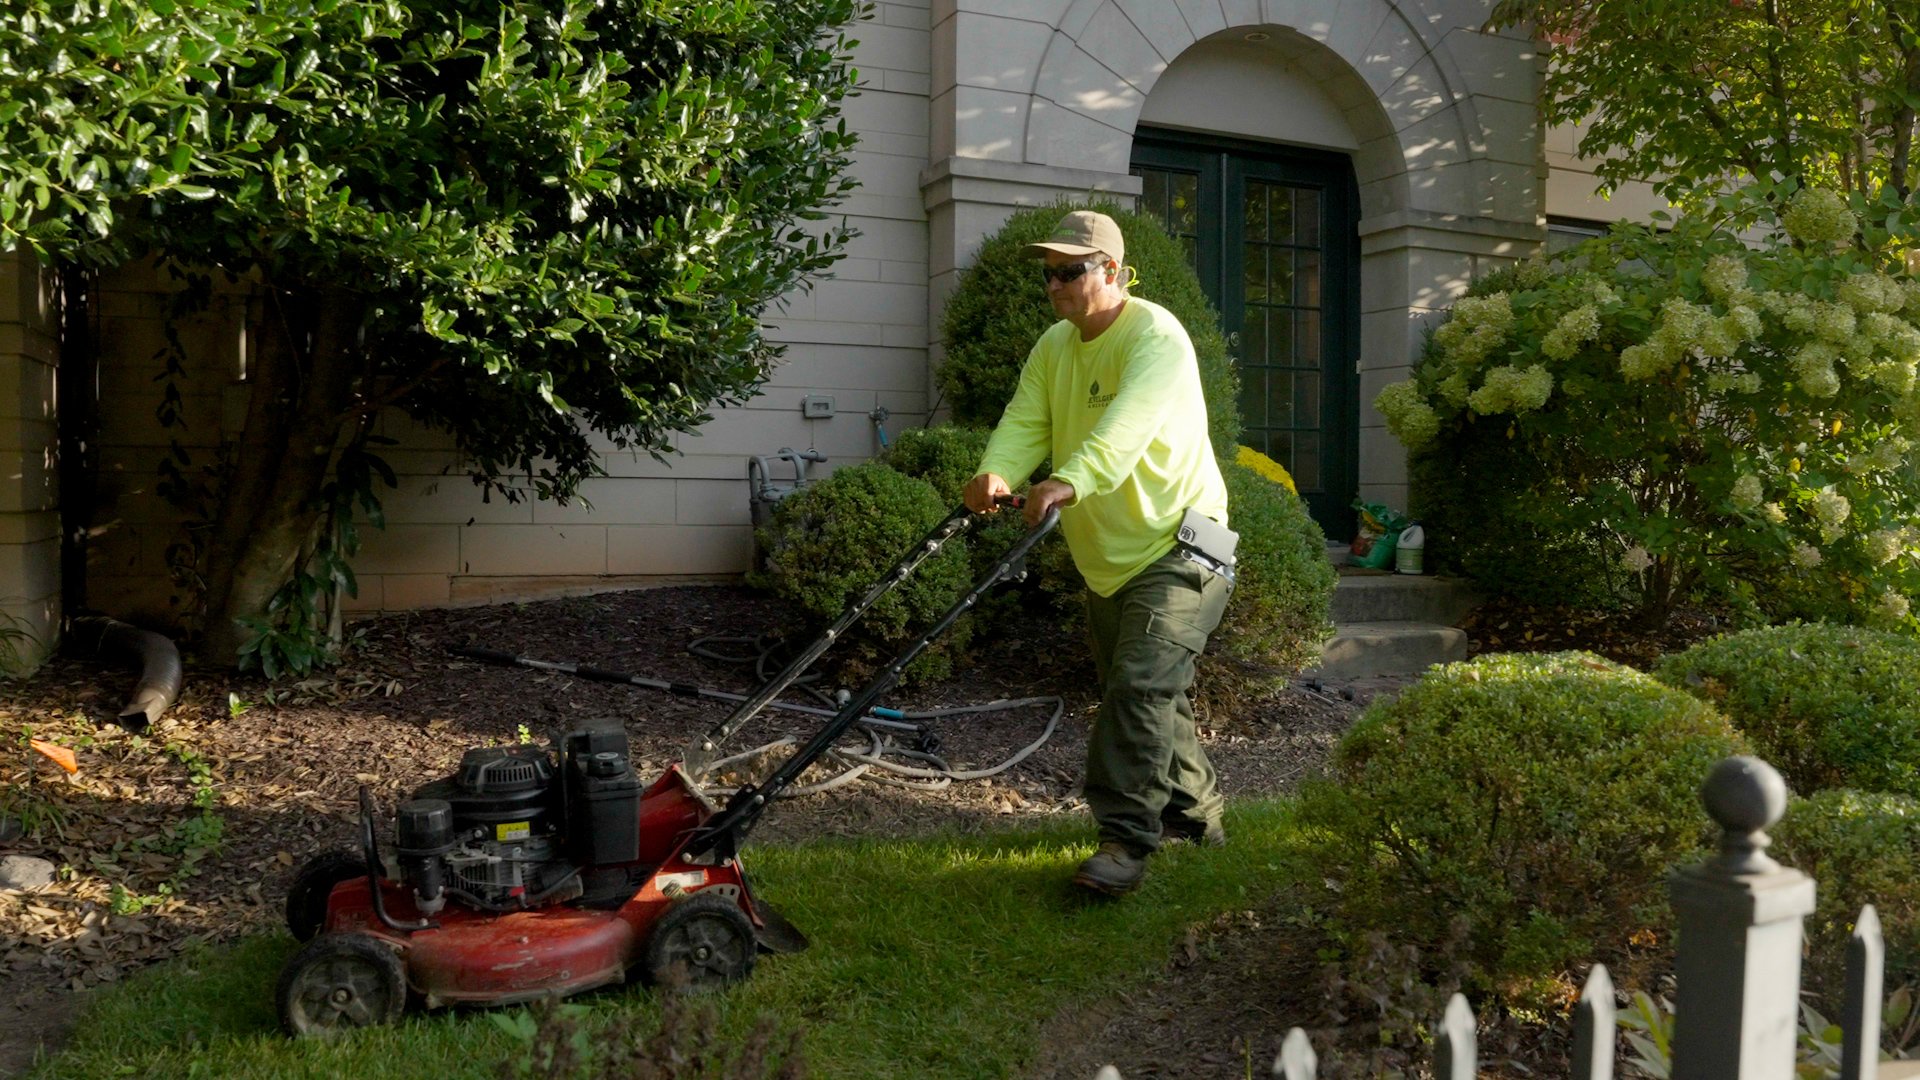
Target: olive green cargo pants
1145,767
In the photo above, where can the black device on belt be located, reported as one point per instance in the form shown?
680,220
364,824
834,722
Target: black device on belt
1202,540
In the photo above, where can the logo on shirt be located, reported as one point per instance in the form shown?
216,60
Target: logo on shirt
1095,398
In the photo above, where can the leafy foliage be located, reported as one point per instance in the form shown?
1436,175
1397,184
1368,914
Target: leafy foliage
1000,309
1540,798
1829,706
1862,848
829,542
1690,93
541,226
1760,406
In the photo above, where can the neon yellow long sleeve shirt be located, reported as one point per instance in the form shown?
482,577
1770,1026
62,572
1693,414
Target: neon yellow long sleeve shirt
1125,422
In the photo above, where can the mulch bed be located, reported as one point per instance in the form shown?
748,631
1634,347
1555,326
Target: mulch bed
286,761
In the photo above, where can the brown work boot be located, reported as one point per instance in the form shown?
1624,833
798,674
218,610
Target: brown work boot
1213,836
1113,870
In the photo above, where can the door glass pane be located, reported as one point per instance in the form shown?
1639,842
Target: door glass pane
1255,289
1253,336
1253,397
1183,209
1306,398
1281,216
1280,398
1280,449
1306,277
1306,337
1280,336
1255,211
1306,217
1306,461
1153,193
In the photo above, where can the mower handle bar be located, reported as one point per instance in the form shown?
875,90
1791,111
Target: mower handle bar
704,750
724,831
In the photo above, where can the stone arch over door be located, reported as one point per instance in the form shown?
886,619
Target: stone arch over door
1039,99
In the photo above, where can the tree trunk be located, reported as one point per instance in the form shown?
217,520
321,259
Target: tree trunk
294,421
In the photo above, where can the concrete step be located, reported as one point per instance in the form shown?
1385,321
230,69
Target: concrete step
1363,650
1382,597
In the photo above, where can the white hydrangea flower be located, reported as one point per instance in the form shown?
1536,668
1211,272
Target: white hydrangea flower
1409,417
1882,546
1741,323
1806,556
1813,364
1747,492
1834,322
1871,293
1512,389
1725,276
1574,329
1478,326
1637,559
1830,508
1819,218
1891,606
1773,513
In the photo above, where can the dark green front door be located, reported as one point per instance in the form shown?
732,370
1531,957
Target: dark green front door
1271,232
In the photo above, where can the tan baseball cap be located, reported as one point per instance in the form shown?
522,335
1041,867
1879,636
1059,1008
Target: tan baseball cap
1082,232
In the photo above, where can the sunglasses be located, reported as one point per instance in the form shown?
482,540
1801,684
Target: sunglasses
1068,273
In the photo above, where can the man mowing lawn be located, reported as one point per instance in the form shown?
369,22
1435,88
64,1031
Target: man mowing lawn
1112,393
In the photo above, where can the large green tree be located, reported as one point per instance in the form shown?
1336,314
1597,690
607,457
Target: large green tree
1699,94
521,221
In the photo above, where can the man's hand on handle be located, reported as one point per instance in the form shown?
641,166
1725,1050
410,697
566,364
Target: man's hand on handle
1044,496
982,490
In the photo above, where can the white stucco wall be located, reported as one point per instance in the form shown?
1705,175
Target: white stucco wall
1229,87
29,497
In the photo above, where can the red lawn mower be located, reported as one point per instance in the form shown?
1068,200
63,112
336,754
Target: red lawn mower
534,873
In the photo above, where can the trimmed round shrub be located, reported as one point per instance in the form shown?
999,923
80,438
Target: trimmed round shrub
943,456
1829,706
1000,309
1282,594
1860,848
829,542
1519,811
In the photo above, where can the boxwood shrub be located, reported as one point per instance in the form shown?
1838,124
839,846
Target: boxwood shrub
1282,595
1538,799
829,542
1829,706
1861,848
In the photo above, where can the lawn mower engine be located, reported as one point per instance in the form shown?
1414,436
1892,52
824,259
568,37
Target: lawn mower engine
508,832
527,873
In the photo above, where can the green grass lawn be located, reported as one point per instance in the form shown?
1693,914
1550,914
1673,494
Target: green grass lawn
931,957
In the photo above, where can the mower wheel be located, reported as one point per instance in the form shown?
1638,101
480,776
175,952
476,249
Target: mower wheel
701,943
307,898
340,983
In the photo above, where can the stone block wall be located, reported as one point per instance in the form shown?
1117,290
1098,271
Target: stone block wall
29,491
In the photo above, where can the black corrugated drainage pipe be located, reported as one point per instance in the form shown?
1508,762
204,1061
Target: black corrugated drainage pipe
156,655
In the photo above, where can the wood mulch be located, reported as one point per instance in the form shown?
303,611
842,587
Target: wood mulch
284,763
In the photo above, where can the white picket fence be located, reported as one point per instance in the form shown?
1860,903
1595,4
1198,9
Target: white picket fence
1737,970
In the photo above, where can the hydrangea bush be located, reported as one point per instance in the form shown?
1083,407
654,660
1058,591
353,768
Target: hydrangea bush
1709,414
